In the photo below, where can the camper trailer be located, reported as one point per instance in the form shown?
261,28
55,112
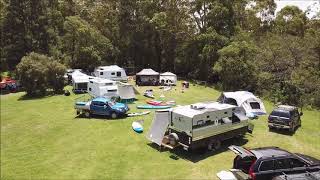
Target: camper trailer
168,78
198,125
98,87
252,105
80,81
112,72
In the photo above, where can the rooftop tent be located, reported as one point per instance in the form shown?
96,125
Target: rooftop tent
252,105
126,92
112,72
168,78
147,77
80,81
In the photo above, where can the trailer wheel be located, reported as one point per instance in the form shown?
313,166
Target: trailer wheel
214,145
87,114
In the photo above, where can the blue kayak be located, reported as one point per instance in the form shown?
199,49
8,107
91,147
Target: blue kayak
152,107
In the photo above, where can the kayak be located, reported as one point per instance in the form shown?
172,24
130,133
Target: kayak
152,107
138,113
137,127
160,103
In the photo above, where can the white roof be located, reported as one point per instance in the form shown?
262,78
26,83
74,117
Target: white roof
79,77
101,80
110,68
240,96
148,72
167,74
207,106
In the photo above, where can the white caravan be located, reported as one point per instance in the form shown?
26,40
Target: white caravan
252,105
98,87
79,81
112,72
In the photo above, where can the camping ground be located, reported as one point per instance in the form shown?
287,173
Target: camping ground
42,138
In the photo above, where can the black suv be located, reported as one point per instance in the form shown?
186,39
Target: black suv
285,117
299,176
268,162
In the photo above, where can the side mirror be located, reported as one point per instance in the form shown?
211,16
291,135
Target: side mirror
301,113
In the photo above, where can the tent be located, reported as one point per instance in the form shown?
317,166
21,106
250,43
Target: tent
99,87
168,78
80,81
126,92
252,105
112,72
147,77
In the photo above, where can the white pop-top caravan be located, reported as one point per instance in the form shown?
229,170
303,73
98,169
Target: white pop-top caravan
168,78
112,72
98,87
80,81
252,105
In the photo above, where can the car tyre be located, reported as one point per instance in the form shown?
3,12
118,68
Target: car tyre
114,115
87,114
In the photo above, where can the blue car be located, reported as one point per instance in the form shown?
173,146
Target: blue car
102,106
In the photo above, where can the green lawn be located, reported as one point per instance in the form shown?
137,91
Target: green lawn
43,139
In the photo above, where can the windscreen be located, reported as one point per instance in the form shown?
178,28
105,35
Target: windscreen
280,114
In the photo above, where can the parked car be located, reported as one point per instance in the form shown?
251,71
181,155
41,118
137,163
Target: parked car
268,162
101,106
299,176
285,117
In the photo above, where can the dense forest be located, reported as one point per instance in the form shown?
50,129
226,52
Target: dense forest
234,44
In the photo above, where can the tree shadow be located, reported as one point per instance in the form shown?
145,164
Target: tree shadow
39,96
199,154
99,117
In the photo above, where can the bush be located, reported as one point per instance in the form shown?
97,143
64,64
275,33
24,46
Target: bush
38,72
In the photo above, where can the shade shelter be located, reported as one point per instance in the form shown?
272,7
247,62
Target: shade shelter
147,77
168,78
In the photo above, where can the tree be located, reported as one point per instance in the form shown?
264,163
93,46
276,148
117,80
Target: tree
236,66
84,45
32,72
291,20
38,72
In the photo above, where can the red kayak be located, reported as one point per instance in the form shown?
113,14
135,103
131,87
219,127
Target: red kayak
159,103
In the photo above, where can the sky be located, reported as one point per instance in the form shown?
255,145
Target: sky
304,5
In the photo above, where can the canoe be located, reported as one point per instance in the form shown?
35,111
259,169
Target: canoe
152,107
156,103
138,113
137,127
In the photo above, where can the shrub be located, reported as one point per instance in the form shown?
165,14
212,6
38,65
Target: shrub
38,72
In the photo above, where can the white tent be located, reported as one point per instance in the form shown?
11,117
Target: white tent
252,105
126,92
98,87
112,72
80,81
147,77
168,78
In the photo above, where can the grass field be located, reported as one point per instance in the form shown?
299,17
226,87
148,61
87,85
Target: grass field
43,139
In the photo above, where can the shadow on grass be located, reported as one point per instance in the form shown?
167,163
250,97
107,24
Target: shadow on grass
199,154
283,131
42,96
99,117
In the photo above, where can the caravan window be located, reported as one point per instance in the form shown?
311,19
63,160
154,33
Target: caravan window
255,105
108,84
89,89
112,90
119,74
101,73
113,73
